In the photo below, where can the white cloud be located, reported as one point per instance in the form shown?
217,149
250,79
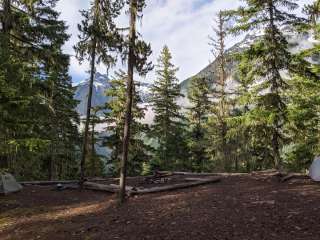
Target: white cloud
184,25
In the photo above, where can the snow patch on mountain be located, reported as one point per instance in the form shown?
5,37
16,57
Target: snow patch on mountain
297,42
100,85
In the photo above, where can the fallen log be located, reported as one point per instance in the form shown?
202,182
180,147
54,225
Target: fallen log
188,173
205,174
268,171
294,176
112,188
176,186
230,174
268,174
46,183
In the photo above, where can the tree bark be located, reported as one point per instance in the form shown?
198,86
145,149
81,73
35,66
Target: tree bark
6,28
223,96
6,22
53,133
93,158
127,124
86,129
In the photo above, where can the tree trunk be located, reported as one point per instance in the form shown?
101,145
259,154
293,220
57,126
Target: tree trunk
222,113
6,21
92,138
86,129
275,89
51,166
6,28
53,133
127,123
93,159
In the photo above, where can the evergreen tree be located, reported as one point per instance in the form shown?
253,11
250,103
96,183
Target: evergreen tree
114,117
267,58
61,121
313,12
94,164
167,126
218,146
99,40
34,87
303,100
303,120
136,54
198,96
238,128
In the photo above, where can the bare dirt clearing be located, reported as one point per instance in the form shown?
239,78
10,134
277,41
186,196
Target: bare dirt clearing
238,207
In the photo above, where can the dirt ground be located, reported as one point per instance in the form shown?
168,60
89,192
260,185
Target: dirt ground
237,208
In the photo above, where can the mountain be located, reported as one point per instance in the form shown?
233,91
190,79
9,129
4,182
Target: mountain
101,84
297,42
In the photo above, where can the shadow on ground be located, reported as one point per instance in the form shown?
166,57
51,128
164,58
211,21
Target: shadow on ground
237,208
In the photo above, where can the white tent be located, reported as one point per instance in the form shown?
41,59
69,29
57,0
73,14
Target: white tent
8,184
314,171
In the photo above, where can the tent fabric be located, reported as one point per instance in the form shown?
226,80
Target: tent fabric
314,171
8,184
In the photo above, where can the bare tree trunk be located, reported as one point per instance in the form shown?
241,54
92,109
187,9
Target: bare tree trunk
92,139
52,152
6,21
93,159
5,43
51,166
86,129
127,123
223,97
6,28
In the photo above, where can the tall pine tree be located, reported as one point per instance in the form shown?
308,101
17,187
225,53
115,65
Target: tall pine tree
99,41
35,85
139,152
218,145
136,53
267,59
167,126
198,96
303,99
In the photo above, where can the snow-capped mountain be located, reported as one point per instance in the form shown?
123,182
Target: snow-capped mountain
145,91
297,42
101,84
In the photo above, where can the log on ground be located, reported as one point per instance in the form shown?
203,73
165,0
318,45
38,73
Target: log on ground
112,188
188,173
176,186
45,183
294,176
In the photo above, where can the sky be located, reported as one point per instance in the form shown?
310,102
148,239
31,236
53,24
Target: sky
183,25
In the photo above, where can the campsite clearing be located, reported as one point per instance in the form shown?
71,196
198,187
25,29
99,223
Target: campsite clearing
238,207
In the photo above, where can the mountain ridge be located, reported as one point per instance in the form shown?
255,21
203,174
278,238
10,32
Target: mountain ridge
297,41
100,85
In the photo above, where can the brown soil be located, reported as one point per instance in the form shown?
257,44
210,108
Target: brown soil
239,207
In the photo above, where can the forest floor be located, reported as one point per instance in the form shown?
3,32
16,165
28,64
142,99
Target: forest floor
238,207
